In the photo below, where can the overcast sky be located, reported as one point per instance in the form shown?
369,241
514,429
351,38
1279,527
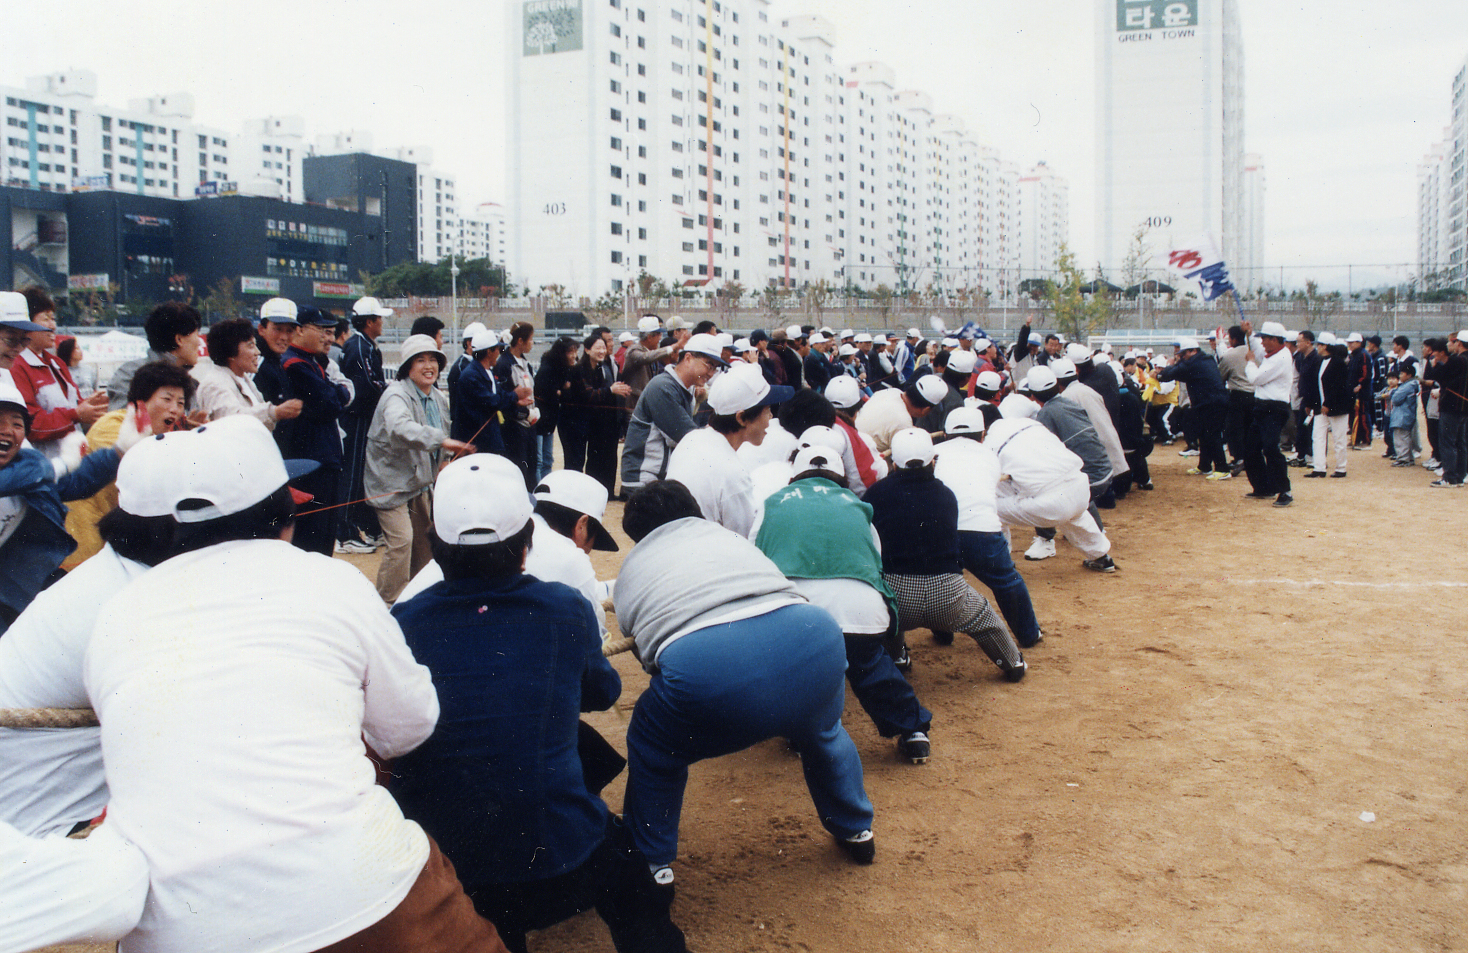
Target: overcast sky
1343,98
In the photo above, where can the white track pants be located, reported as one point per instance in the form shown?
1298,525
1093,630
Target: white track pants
1062,505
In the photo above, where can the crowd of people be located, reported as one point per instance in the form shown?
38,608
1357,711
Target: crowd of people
405,766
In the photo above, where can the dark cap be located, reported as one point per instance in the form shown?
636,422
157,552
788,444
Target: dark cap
316,316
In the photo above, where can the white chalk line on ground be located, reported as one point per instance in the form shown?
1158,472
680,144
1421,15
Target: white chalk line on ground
1309,583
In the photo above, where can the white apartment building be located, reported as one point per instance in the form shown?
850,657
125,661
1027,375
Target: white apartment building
1169,125
1249,272
1042,219
1442,200
268,154
438,205
702,143
482,233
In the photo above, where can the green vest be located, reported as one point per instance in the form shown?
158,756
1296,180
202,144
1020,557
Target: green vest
814,529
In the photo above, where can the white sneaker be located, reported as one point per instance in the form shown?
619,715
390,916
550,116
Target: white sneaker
355,547
1041,548
1431,464
1188,453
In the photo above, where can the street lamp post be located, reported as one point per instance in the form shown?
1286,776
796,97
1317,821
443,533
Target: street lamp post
454,291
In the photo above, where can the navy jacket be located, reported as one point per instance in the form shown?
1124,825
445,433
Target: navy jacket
361,363
1336,384
40,542
480,399
1308,367
916,517
1200,374
499,785
817,370
314,434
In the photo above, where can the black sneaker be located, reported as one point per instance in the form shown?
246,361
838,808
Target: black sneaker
1013,673
1284,499
1338,475
915,748
1147,485
1100,564
861,848
1315,475
1258,496
942,638
903,661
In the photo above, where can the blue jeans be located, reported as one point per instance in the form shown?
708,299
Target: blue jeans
882,691
545,454
727,687
986,555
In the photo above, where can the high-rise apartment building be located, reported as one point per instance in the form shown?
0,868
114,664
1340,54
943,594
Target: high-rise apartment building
482,233
703,143
1170,129
1043,217
1442,200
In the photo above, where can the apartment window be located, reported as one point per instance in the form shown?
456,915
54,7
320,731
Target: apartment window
688,246
617,200
641,96
616,30
616,172
616,115
616,58
642,234
616,143
616,258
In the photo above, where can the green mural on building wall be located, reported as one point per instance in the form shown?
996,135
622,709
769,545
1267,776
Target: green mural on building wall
1155,14
552,26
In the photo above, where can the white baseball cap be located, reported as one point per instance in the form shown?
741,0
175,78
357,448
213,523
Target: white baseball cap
1326,337
1036,339
15,313
485,339
742,346
10,394
743,387
846,350
219,469
1041,378
626,337
1354,338
863,338
794,332
817,337
1187,344
818,457
708,346
1462,337
912,447
982,344
843,391
279,311
474,328
1273,329
822,436
1078,353
950,342
371,307
964,420
726,340
480,499
929,390
963,362
1015,407
914,333
988,381
581,494
1063,368
846,333
649,323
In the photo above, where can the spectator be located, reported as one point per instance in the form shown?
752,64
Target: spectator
172,329
552,386
361,363
591,417
55,404
225,384
314,434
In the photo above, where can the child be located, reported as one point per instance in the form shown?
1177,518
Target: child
1403,404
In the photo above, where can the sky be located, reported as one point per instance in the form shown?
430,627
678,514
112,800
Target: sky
1342,99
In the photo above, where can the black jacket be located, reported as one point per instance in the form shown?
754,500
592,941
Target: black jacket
1308,367
916,518
1335,387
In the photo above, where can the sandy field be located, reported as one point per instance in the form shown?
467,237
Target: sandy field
1251,737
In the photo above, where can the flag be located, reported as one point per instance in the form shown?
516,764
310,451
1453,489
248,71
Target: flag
1200,260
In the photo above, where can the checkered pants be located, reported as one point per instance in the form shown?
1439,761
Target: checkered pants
948,603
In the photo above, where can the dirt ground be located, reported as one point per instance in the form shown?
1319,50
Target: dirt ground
1252,736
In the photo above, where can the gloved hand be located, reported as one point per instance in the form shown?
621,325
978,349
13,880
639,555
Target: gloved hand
135,427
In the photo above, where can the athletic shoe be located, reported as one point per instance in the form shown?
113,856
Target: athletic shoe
861,848
1147,485
1194,471
914,747
1041,548
1188,453
1013,673
1431,463
1100,564
1236,468
1221,475
1401,463
1387,455
355,547
1298,462
1315,475
942,638
376,542
1258,496
1339,475
1284,500
1444,483
903,661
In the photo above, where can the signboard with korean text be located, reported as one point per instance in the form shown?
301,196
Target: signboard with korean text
259,286
552,26
87,282
336,289
1134,15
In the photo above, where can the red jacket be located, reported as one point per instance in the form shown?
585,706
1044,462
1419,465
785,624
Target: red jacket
50,394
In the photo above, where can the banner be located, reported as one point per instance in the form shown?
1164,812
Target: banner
259,286
1201,261
336,289
87,282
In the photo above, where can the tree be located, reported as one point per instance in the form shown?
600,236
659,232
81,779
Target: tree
555,293
884,296
769,299
477,276
221,301
816,296
1071,312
